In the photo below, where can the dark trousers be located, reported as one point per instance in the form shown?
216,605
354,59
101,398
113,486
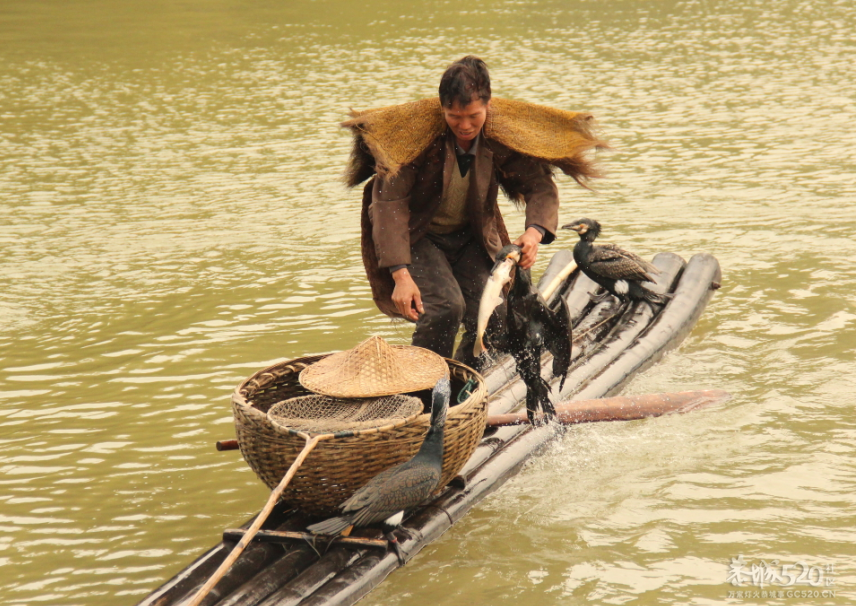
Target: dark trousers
450,271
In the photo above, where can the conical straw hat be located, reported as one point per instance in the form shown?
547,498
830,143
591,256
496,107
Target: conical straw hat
374,368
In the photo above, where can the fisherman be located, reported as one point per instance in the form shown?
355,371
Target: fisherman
431,223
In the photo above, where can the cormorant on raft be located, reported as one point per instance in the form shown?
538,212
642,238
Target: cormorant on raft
618,271
531,326
387,495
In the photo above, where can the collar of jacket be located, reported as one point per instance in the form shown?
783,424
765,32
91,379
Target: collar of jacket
481,168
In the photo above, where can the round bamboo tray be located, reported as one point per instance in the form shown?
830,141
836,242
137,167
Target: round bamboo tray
338,467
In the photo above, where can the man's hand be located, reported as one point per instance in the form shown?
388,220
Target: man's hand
406,296
528,243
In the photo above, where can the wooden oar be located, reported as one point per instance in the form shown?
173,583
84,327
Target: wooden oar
623,408
618,408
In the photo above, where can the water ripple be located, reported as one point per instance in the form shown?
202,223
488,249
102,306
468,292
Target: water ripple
173,220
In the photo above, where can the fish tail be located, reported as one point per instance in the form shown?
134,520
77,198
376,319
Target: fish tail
478,347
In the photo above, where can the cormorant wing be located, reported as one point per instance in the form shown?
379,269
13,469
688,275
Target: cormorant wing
408,487
370,492
496,333
610,261
556,325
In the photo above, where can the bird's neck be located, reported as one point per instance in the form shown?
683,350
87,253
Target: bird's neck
522,282
432,446
582,248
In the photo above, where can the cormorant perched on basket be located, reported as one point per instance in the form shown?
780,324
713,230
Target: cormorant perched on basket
530,327
620,272
390,493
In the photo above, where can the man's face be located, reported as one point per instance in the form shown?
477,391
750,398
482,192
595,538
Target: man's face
466,122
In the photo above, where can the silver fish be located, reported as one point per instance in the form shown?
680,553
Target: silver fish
491,299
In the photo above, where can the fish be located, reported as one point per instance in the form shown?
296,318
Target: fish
491,299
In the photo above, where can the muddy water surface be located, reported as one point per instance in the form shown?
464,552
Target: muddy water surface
172,219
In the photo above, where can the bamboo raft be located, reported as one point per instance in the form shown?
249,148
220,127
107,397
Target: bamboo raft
611,346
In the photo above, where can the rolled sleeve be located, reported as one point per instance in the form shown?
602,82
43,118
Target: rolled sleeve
390,218
534,182
539,229
542,209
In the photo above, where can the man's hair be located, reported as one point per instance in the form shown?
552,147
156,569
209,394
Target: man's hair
465,81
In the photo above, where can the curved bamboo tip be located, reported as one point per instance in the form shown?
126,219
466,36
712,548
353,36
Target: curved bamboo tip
558,280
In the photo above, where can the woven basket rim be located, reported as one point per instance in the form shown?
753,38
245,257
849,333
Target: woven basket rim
239,398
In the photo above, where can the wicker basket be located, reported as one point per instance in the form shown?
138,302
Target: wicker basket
338,467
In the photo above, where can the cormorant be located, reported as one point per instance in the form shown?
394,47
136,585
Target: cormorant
618,271
387,495
530,327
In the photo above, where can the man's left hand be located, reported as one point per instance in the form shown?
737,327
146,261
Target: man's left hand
528,243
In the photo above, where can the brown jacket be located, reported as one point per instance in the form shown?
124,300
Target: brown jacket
398,210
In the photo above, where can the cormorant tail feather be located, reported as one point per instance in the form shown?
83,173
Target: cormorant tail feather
333,526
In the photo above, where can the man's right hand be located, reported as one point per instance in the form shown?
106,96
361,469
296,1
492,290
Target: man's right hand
406,296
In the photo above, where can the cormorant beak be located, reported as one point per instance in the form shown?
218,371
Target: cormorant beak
577,227
513,257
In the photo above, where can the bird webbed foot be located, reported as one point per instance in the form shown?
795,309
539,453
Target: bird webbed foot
549,410
395,544
530,414
547,415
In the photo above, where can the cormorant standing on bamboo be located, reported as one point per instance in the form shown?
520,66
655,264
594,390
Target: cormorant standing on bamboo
386,497
618,271
530,327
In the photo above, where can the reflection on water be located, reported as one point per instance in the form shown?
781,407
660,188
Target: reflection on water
173,219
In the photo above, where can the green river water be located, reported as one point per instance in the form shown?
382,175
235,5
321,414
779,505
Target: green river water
172,219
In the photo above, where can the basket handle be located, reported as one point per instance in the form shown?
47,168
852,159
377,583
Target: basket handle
467,390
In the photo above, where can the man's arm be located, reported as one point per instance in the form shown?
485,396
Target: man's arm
406,296
529,243
390,217
533,181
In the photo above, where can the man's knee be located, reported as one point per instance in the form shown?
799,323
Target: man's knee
450,311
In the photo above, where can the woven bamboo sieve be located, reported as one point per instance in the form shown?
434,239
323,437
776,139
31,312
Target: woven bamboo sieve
338,467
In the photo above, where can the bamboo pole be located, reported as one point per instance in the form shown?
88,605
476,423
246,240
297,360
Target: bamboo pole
622,408
286,536
560,278
618,408
311,443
